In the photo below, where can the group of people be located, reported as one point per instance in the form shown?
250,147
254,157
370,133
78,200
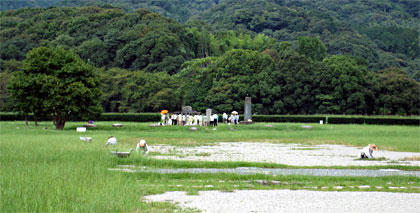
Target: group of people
197,119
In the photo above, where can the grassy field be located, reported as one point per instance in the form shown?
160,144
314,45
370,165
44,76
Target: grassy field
45,170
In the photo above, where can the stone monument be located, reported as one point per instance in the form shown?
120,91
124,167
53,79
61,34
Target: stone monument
208,115
247,111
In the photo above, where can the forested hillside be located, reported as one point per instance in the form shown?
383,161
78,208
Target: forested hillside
180,10
386,33
288,56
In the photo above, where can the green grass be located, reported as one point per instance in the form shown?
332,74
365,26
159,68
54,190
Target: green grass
45,170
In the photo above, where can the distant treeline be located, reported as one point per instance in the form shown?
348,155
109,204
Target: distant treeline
149,62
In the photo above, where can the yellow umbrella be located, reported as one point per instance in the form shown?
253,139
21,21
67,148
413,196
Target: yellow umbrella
164,111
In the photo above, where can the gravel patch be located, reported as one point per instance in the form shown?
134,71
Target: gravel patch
290,154
292,201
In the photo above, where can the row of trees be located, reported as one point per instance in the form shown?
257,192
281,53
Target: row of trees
55,82
284,81
280,80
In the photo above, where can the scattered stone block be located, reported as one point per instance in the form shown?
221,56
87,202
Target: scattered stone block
87,139
89,125
81,129
307,127
117,125
122,154
194,128
275,182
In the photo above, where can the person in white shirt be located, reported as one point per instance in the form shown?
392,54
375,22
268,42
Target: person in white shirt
174,119
225,117
111,141
142,146
367,152
200,120
215,119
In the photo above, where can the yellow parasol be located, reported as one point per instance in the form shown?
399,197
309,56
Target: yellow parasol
164,111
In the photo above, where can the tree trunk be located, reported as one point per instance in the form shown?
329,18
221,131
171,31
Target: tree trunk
59,122
26,120
35,120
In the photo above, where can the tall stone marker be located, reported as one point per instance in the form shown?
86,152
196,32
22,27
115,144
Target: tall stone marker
208,115
247,111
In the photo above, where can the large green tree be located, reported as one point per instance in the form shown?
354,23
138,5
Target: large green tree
56,82
395,93
343,85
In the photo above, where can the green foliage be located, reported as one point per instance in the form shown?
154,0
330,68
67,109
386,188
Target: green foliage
312,48
344,86
294,84
138,91
164,64
56,82
224,81
101,36
340,25
395,39
6,70
136,117
396,93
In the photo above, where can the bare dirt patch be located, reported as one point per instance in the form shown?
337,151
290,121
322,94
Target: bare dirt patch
290,154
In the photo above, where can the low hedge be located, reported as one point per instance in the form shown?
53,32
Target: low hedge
138,117
374,120
288,118
10,116
331,119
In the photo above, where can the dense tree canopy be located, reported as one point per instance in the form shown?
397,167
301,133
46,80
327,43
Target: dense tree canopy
291,57
139,91
345,27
